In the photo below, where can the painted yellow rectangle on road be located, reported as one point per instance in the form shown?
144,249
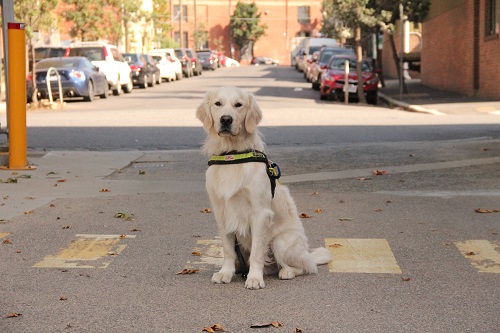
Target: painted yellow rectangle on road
3,234
361,256
86,251
484,255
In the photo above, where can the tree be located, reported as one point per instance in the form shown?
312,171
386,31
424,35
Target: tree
87,17
245,28
37,15
162,23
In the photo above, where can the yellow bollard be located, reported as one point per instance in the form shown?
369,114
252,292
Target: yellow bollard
17,97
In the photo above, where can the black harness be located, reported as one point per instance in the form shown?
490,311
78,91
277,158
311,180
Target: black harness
235,157
273,172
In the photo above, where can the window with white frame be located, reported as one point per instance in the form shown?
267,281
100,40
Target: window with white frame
491,18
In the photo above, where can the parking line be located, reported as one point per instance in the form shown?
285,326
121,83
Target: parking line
484,255
4,234
86,251
361,256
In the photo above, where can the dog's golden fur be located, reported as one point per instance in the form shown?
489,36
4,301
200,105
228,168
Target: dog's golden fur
268,229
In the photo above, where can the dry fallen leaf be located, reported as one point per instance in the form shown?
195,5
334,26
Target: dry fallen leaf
61,180
122,236
315,193
273,324
377,210
104,190
318,210
135,230
304,216
213,328
13,315
7,241
364,178
335,245
28,212
470,254
345,219
486,211
298,330
142,172
379,172
124,216
206,210
63,298
484,149
406,279
187,271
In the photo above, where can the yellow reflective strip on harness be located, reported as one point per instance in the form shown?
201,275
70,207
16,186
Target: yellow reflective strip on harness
234,157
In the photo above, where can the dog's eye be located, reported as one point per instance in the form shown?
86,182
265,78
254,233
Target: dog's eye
218,103
238,105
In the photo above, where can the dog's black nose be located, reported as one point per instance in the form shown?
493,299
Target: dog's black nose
226,120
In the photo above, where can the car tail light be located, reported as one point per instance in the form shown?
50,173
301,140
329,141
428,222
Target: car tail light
29,77
135,68
105,52
171,60
78,75
66,53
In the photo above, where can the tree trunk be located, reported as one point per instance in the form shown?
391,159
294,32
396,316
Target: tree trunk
359,62
398,64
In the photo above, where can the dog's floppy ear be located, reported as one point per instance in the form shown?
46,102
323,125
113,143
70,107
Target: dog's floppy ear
253,116
203,112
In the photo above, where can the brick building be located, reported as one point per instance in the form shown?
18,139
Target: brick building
285,19
461,47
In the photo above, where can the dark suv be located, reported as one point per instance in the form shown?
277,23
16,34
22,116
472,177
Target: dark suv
187,67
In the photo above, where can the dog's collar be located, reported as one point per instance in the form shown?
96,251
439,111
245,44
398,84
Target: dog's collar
236,157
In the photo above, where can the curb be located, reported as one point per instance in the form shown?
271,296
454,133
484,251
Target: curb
408,107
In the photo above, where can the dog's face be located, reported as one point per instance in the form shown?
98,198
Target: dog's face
228,111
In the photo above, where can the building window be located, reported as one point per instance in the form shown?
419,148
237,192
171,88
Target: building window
177,38
491,18
303,15
184,13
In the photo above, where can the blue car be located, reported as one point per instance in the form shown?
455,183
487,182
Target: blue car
79,78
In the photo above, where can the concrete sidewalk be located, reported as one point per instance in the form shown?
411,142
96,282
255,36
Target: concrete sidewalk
421,98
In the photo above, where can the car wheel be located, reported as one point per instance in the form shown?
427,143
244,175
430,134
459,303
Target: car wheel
153,81
322,97
144,85
372,98
105,95
117,91
158,81
90,90
128,87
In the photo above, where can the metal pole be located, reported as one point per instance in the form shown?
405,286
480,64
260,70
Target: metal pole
401,76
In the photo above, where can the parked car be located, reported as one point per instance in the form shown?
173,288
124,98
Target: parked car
195,62
187,67
154,68
169,54
318,67
333,80
48,51
229,62
310,63
264,61
312,44
79,78
209,59
299,58
167,70
222,59
142,73
109,61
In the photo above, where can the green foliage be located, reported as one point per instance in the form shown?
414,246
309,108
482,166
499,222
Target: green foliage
161,20
37,15
87,17
245,26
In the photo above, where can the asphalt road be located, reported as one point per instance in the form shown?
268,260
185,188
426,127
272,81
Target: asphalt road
411,254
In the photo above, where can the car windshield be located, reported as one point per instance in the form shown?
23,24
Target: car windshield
203,55
327,54
58,63
313,49
130,57
156,58
339,63
91,53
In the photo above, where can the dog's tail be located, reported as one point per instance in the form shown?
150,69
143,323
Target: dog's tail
321,256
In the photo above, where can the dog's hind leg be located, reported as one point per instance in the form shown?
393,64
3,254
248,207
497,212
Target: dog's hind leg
228,269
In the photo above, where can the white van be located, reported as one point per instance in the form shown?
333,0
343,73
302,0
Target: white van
314,44
170,54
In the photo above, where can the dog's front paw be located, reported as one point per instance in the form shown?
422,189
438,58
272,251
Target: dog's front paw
222,277
255,283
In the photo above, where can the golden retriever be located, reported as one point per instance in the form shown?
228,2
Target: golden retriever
268,229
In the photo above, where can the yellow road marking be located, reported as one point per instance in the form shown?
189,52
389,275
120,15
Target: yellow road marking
87,251
4,234
361,256
484,255
211,252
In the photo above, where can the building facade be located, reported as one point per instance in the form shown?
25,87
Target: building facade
461,47
285,19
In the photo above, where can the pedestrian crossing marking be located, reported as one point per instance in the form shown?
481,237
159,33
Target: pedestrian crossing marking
361,256
4,234
86,251
210,253
484,255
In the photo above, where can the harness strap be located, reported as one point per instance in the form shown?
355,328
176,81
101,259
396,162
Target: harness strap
234,157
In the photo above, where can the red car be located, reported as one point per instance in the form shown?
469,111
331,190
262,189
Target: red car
332,81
